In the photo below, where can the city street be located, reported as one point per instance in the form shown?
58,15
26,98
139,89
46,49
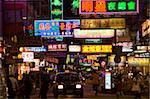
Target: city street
88,93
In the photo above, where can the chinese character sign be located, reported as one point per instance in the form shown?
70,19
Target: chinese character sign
56,8
57,47
55,28
109,6
96,48
103,23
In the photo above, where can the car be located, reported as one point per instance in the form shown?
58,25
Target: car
68,83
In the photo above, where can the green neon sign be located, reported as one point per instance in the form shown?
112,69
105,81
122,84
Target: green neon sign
112,6
59,38
122,5
93,41
75,4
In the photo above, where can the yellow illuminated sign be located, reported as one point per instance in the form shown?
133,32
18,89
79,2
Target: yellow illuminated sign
96,48
113,23
132,61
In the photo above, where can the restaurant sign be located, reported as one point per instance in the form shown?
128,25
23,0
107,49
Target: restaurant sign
109,7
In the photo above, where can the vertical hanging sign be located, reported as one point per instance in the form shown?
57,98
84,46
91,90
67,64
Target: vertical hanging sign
56,8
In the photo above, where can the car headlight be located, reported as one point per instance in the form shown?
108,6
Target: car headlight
78,86
60,86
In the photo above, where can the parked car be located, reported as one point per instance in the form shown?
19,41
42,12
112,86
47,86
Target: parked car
68,83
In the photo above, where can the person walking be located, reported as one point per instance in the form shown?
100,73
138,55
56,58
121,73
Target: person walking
119,89
136,89
44,84
95,81
27,86
12,87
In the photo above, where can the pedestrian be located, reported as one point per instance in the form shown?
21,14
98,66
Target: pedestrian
119,89
136,90
12,87
27,86
95,82
44,84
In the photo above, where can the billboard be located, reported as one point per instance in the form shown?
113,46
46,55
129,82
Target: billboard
104,33
57,47
28,56
96,48
113,23
47,28
74,48
109,7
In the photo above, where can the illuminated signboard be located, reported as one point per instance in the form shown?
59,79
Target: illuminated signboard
93,41
108,80
142,55
143,48
105,33
111,61
126,46
146,27
56,7
85,62
28,56
132,61
74,48
109,7
94,57
28,28
103,23
57,47
34,49
122,35
96,48
47,28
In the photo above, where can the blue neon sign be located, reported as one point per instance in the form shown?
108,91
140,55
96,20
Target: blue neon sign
55,28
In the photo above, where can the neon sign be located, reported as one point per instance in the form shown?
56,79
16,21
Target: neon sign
34,49
63,28
109,7
105,33
103,23
96,48
57,47
56,9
